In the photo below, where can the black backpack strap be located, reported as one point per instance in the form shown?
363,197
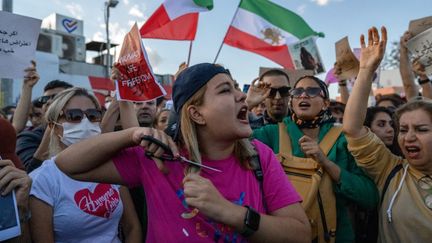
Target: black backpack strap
255,163
393,172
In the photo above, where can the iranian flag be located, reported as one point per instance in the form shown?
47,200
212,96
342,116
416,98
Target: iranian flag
267,29
175,20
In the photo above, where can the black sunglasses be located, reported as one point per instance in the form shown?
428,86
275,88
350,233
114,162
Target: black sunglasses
310,92
44,99
283,91
76,115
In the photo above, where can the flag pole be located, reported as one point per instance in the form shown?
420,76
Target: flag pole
223,41
190,51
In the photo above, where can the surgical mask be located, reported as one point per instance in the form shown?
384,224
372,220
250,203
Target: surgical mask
75,132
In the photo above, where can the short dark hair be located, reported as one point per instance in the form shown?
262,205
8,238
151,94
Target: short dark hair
57,84
373,111
275,72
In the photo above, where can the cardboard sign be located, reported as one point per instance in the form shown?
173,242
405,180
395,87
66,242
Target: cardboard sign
421,47
18,41
419,25
305,55
137,81
346,59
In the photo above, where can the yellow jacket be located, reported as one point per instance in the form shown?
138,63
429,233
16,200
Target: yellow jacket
411,219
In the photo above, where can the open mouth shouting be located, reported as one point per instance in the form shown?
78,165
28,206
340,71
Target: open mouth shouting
304,105
242,115
413,151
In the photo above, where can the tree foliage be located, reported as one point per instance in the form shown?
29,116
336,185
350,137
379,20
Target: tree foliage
391,58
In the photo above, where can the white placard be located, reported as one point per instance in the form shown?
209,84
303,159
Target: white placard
421,47
9,218
18,41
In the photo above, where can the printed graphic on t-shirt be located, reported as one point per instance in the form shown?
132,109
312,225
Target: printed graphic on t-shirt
211,228
101,202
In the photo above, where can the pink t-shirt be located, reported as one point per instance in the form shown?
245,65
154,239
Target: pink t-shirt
169,217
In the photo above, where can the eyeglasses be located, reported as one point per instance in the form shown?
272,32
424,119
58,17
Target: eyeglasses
310,92
44,99
76,115
283,91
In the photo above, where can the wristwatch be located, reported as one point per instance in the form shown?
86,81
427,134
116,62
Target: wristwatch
251,222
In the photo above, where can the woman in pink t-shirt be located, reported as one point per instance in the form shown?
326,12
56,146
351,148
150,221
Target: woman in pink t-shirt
193,203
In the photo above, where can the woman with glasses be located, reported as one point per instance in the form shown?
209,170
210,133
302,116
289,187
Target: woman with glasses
405,184
297,141
66,210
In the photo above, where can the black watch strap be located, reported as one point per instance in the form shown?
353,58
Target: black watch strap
425,81
251,222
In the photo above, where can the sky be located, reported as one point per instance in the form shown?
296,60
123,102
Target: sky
335,18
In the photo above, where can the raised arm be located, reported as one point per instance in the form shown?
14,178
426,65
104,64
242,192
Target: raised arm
110,117
343,89
423,79
127,112
22,110
371,56
411,89
90,160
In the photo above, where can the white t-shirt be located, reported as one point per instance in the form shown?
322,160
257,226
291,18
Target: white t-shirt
82,211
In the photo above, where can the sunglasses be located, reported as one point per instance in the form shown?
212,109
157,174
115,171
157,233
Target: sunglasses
283,91
76,115
44,99
310,92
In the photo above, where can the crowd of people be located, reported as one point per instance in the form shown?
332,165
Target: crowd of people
282,163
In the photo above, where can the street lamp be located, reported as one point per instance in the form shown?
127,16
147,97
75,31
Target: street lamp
108,4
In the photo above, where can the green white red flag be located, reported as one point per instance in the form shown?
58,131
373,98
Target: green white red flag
265,28
175,20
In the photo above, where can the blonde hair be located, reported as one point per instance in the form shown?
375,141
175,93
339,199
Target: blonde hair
243,149
55,109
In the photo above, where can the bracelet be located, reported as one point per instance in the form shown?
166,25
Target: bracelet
425,81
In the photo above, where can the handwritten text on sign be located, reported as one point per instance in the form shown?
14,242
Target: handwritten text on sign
18,39
421,47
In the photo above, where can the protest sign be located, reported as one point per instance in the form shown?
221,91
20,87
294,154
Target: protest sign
137,81
330,77
421,47
18,40
9,218
346,60
419,25
305,55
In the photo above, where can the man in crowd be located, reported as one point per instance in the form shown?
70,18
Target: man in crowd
146,112
276,103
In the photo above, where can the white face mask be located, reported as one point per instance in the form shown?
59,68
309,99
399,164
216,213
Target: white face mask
75,132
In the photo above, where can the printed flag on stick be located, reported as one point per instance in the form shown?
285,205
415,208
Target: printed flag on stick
267,29
175,20
137,81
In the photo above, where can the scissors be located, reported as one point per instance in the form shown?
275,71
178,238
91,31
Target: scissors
168,155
